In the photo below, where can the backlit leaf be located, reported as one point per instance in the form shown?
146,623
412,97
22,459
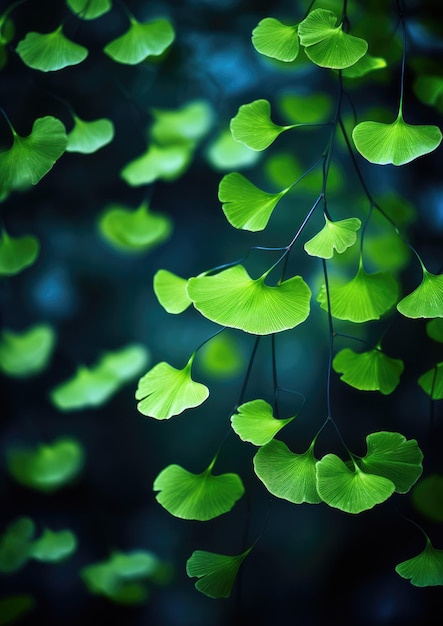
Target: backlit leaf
221,357
140,41
15,544
50,52
364,66
434,329
89,136
427,497
425,569
253,125
333,236
432,382
255,422
53,546
224,153
17,253
158,162
276,40
426,300
368,371
309,109
216,572
232,298
89,9
171,293
26,353
189,123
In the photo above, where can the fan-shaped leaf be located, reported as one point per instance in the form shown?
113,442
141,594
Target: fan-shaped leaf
232,298
53,546
88,137
141,41
368,371
50,52
364,66
253,125
224,153
255,422
427,497
397,143
434,329
333,236
158,162
197,496
15,544
17,253
276,40
216,572
170,290
287,475
189,123
432,382
26,353
165,391
245,205
425,569
89,9
426,300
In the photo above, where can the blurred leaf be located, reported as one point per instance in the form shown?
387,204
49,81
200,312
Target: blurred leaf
50,52
171,293
425,569
253,125
224,153
429,89
17,253
12,608
337,236
190,123
426,300
28,352
314,108
255,422
386,251
53,546
434,329
15,545
216,572
221,357
364,66
158,162
432,382
276,40
140,41
89,9
427,497
89,136
368,371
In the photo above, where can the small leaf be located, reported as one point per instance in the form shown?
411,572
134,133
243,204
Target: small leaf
50,52
432,382
87,137
337,236
221,357
425,569
52,546
17,253
140,41
224,153
171,293
429,89
364,66
158,162
255,422
216,572
15,545
287,475
245,205
165,391
276,40
426,300
197,496
312,108
13,607
253,125
89,9
232,298
397,143
368,371
434,329
427,497
189,123
28,352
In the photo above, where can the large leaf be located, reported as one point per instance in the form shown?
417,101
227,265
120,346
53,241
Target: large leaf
140,41
165,391
432,382
276,40
245,205
89,136
89,9
426,300
216,572
287,475
28,352
17,253
397,143
255,422
337,236
328,45
53,546
232,298
158,162
15,545
189,123
171,293
368,371
425,569
50,52
253,125
197,496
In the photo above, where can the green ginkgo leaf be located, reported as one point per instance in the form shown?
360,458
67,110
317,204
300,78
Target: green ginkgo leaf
434,329
366,297
189,123
245,205
13,607
306,108
89,9
426,300
224,153
221,357
276,40
17,253
253,125
52,546
171,293
328,45
89,136
337,236
350,489
397,143
30,158
140,41
125,363
287,475
197,496
429,89
165,391
47,467
368,371
364,66
232,298
432,382
255,422
28,352
425,569
393,456
158,162
50,52
216,572
15,545
134,231
427,497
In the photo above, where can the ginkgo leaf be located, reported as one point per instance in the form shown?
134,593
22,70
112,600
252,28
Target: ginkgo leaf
224,153
158,162
328,45
15,544
124,363
253,125
171,293
30,158
216,572
89,9
429,89
425,569
287,475
255,422
28,352
165,391
50,52
140,41
221,357
134,231
368,371
364,66
434,329
427,497
337,236
397,143
365,297
393,456
89,136
17,253
350,489
53,546
276,40
245,205
47,467
432,382
232,298
197,496
306,108
426,300
189,123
